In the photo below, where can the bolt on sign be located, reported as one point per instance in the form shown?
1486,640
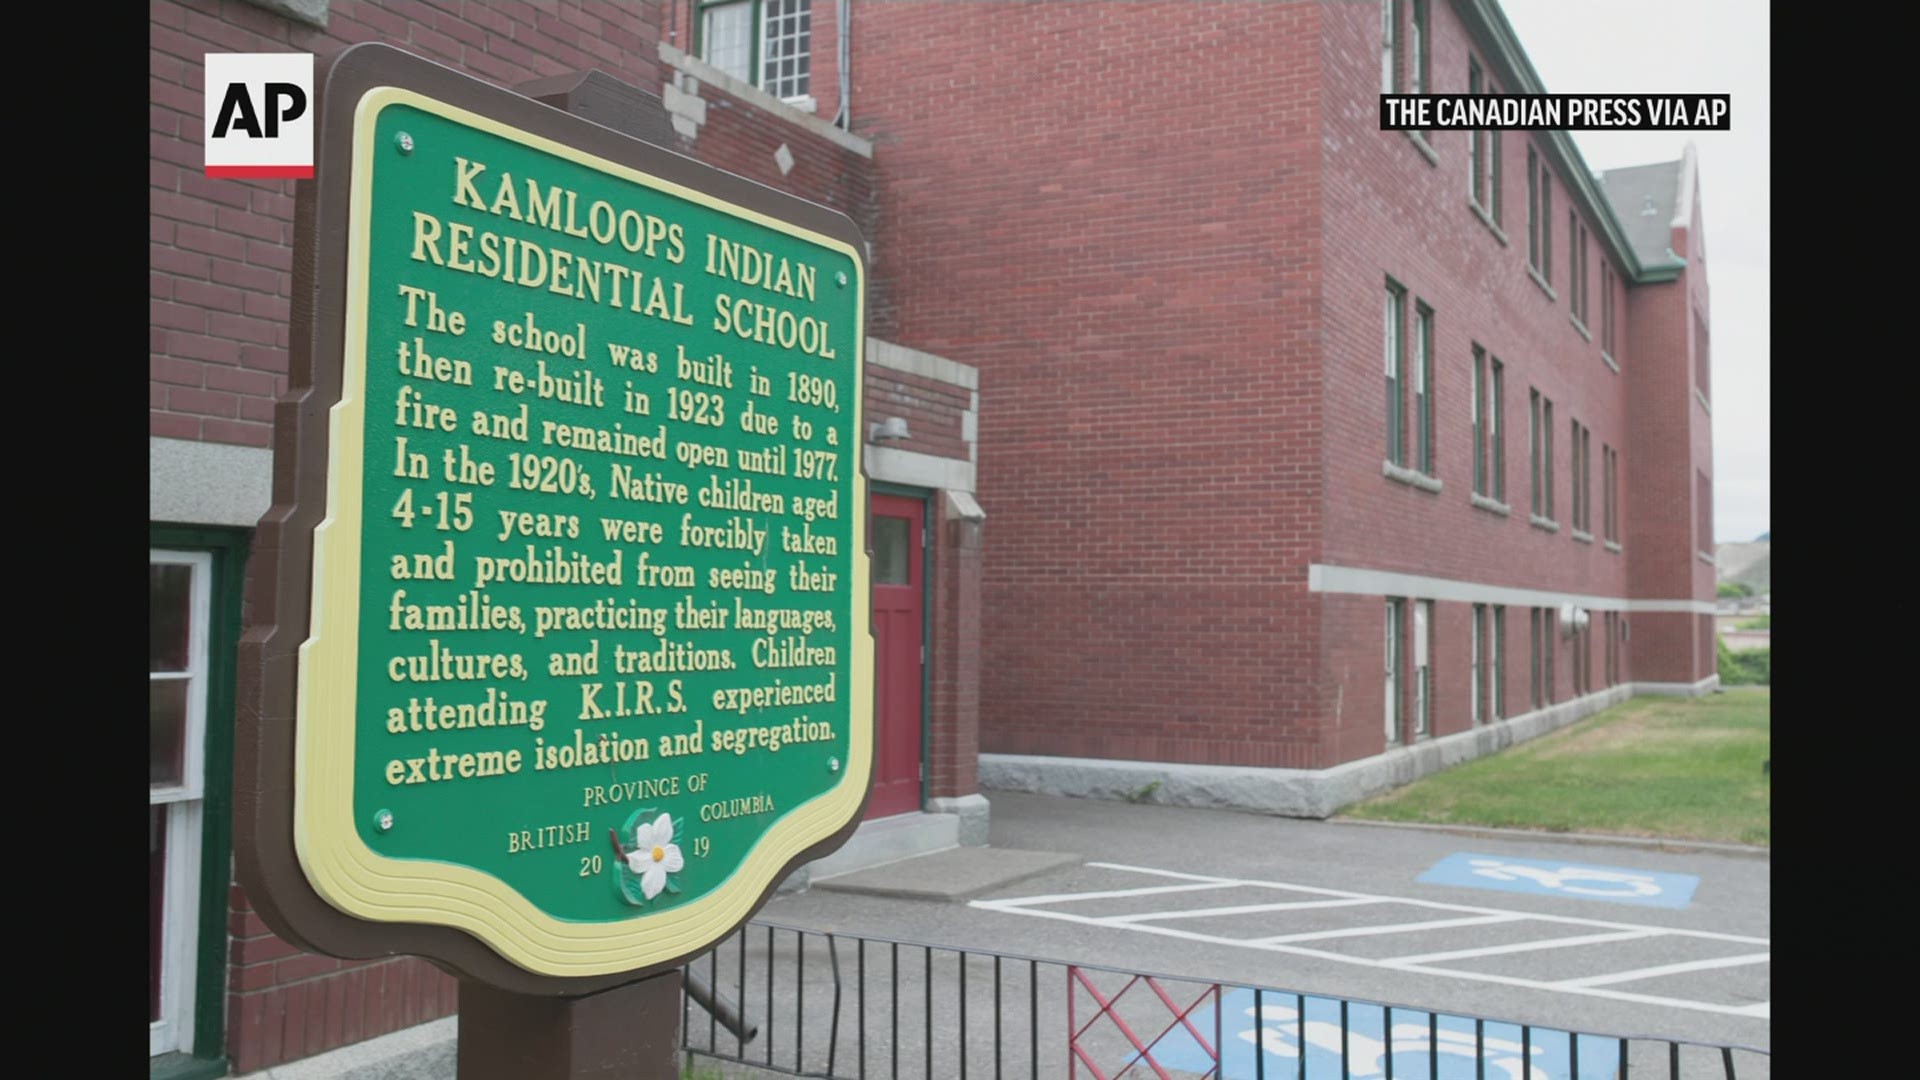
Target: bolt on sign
560,640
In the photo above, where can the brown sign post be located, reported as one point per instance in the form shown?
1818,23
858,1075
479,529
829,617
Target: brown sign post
557,658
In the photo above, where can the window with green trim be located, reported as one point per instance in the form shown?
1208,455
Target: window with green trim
1497,429
179,615
1489,449
1395,315
1389,46
765,43
1483,152
1474,664
1419,61
193,615
1546,458
1534,620
1395,614
1423,388
1606,311
1533,452
1422,670
1499,694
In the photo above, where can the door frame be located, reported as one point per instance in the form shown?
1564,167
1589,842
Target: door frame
924,497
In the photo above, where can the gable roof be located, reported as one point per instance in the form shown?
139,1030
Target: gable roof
1646,198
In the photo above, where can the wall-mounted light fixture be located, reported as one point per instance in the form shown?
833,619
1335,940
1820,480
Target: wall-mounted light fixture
892,429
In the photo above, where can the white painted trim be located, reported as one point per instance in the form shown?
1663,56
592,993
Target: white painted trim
914,469
926,365
199,483
180,921
759,98
1683,194
1352,581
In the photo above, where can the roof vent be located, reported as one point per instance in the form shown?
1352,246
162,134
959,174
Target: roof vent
1647,209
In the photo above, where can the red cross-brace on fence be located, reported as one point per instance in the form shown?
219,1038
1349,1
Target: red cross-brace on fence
1078,1054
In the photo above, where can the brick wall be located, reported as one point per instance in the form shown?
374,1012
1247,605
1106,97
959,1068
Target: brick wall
219,250
285,1004
1068,205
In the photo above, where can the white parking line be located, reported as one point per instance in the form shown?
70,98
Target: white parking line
1243,909
1524,946
1391,928
1141,922
1114,893
1668,969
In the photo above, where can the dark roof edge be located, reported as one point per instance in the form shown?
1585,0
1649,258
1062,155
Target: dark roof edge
1486,18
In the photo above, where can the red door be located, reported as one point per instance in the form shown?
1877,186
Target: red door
896,534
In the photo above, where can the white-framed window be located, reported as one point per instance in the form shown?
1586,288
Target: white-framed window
1393,671
1497,699
1389,56
1395,314
765,43
179,613
1422,672
1473,679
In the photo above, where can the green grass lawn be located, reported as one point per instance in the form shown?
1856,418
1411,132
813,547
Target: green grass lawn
1684,768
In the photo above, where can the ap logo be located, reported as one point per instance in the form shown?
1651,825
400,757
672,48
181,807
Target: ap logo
259,115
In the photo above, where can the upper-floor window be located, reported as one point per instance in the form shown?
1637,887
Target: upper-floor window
1423,388
1389,46
1539,215
1540,446
1417,58
1396,303
1489,438
1580,447
1702,362
1483,152
1577,267
767,43
1610,493
1703,511
1607,343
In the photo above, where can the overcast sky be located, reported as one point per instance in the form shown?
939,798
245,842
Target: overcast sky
1707,47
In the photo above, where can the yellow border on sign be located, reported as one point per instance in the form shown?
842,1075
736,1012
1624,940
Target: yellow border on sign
367,885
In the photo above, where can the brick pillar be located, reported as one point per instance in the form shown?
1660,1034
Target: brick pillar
954,653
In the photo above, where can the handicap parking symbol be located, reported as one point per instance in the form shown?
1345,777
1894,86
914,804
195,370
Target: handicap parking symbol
1619,885
1277,1029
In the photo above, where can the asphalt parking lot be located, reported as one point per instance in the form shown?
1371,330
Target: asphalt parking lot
1604,939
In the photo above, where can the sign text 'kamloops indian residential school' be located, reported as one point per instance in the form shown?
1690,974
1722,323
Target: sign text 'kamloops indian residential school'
559,638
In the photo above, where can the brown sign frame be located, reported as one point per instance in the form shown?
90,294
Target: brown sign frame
280,571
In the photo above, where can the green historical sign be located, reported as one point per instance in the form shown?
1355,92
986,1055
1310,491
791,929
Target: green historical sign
588,663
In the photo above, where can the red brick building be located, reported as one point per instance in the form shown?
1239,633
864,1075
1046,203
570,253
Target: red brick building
1318,456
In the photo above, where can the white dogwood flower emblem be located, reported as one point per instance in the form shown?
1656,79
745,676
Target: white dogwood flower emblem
654,855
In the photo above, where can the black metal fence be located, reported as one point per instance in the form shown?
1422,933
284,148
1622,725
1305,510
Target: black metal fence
808,1003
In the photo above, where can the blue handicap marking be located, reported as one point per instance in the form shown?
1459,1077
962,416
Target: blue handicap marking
1546,877
1274,1034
